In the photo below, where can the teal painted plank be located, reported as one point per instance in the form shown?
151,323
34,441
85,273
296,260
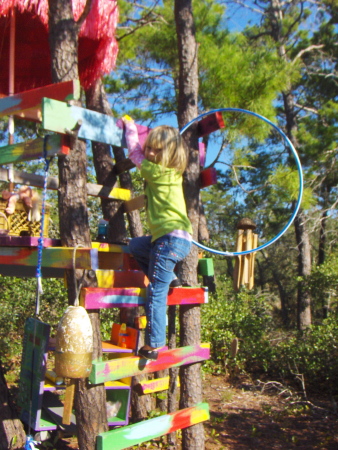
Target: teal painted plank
60,117
30,150
33,369
116,369
137,433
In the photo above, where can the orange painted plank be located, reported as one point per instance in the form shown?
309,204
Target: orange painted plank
26,100
187,296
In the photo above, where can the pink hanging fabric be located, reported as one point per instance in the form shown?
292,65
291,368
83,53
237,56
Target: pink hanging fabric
97,50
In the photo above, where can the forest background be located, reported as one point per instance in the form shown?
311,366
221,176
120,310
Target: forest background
283,65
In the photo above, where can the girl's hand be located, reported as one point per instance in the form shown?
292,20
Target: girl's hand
127,119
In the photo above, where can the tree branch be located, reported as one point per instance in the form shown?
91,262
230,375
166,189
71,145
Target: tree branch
306,50
85,12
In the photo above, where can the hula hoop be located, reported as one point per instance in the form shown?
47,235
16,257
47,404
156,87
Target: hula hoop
300,177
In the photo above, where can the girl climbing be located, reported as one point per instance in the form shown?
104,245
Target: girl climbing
162,161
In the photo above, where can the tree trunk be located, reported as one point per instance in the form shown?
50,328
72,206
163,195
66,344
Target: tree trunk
12,434
322,238
90,406
173,373
190,325
304,270
304,256
112,210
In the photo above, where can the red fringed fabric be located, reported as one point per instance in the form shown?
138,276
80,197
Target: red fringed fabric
98,47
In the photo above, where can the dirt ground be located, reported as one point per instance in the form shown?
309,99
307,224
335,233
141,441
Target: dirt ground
258,416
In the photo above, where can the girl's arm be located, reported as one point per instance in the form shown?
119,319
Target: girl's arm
135,151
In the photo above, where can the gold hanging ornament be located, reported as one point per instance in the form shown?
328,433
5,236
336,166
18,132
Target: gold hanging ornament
244,265
74,344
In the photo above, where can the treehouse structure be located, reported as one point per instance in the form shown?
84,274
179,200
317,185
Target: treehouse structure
120,282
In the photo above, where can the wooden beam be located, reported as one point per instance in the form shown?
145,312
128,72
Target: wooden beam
126,437
123,166
95,190
31,100
34,149
115,369
134,203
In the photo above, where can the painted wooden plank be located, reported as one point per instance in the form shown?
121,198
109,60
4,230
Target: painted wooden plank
111,261
52,404
206,267
150,429
156,385
210,123
34,149
208,177
134,203
60,117
32,114
97,190
130,336
111,248
116,369
121,278
187,296
31,179
33,370
108,347
30,272
59,257
14,104
27,241
101,298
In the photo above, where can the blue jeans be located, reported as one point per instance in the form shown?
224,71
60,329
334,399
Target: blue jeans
158,260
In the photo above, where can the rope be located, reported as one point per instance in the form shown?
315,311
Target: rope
30,442
77,288
39,290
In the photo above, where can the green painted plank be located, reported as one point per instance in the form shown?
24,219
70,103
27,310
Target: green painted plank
116,369
33,370
60,117
30,150
137,433
59,257
206,267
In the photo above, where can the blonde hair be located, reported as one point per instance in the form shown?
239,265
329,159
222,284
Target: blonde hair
173,153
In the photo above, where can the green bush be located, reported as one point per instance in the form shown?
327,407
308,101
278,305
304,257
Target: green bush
265,350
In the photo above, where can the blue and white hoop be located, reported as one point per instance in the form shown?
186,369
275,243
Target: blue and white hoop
300,178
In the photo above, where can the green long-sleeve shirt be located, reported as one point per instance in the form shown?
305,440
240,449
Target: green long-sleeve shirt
165,204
